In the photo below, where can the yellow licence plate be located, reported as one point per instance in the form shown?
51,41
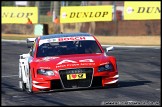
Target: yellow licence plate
76,76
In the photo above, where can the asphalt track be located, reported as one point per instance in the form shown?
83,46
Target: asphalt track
139,81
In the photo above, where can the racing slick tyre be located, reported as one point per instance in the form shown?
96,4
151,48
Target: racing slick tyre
115,85
29,89
21,83
29,44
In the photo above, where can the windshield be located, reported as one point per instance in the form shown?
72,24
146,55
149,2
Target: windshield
67,48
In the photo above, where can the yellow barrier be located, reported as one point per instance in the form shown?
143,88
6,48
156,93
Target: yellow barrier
72,14
142,10
19,15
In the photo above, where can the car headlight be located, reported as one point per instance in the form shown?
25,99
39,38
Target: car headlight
45,72
107,67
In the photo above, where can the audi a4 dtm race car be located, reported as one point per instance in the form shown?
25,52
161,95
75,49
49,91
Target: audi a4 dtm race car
66,61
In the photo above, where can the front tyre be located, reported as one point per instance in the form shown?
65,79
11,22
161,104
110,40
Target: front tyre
115,85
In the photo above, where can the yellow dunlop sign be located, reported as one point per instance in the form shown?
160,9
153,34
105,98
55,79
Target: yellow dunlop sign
142,10
19,15
72,14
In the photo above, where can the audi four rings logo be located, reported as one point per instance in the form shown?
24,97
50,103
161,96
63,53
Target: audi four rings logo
74,71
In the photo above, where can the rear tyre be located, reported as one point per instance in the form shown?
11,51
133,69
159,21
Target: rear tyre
21,85
29,89
21,82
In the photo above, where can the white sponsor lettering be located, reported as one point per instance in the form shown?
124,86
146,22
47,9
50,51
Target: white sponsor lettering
86,60
71,61
65,39
66,61
71,39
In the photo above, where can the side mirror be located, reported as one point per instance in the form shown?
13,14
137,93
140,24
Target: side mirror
109,49
30,42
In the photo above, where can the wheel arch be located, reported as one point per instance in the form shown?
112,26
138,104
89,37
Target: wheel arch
113,61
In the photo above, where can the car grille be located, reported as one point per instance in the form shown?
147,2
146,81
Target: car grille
76,83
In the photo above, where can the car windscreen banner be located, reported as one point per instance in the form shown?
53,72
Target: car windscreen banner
73,14
19,15
65,39
142,10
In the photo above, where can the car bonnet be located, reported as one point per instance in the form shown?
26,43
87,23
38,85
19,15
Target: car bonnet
72,61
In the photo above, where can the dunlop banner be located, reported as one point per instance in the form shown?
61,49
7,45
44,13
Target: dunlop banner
19,15
72,14
142,10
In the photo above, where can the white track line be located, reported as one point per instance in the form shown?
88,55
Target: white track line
122,46
10,76
6,40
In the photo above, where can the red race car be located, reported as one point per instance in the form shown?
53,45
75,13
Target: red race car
66,61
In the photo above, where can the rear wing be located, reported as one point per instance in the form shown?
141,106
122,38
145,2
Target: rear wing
30,42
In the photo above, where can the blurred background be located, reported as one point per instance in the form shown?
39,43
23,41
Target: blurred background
48,10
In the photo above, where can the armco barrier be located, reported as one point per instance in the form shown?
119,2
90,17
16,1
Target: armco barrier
149,27
25,29
17,29
125,28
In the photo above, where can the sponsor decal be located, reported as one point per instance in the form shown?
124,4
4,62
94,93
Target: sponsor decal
51,40
145,10
72,63
44,68
76,76
49,58
71,39
66,61
46,59
65,39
